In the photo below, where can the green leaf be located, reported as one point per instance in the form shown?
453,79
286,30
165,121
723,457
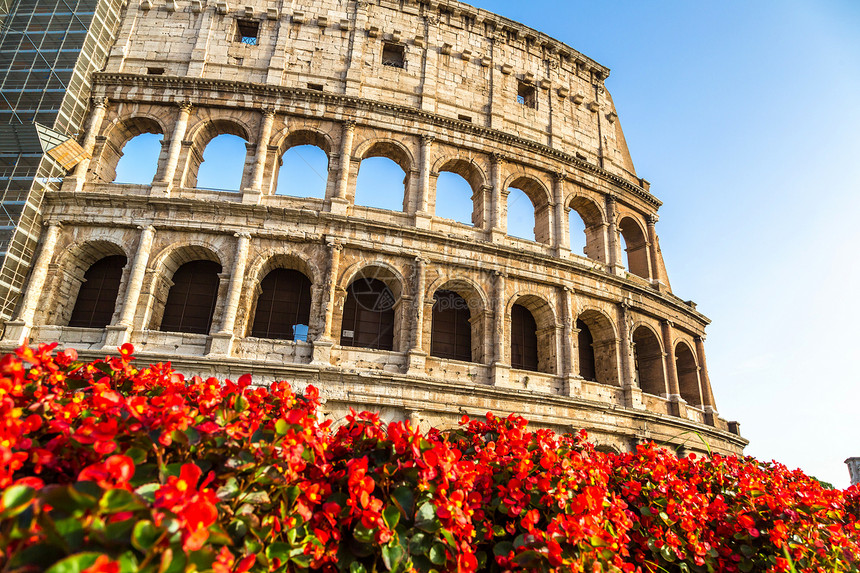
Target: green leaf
425,518
144,535
419,544
667,553
404,498
363,534
391,515
437,554
16,499
502,548
746,566
255,498
356,567
137,455
74,563
747,550
117,500
278,551
302,560
281,427
392,555
449,537
147,491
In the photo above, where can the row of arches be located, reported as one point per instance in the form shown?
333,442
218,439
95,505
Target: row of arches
372,315
306,163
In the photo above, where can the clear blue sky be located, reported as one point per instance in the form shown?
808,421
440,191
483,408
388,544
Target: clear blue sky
745,117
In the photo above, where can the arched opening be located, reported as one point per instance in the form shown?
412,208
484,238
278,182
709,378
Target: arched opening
381,183
96,300
586,229
597,348
521,217
578,239
454,198
368,315
130,152
139,159
635,246
303,172
648,357
451,331
223,164
688,375
191,301
284,306
524,339
585,344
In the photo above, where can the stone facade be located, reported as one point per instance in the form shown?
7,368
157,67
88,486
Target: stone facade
472,93
853,469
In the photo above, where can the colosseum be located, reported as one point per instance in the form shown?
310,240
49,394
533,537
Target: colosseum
402,312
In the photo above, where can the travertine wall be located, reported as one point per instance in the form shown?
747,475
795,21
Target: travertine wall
177,69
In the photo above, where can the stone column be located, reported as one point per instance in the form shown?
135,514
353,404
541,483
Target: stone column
500,368
708,403
165,183
632,392
652,248
854,469
252,194
323,344
498,224
677,405
614,258
417,355
422,216
120,333
339,203
222,341
18,330
562,230
572,385
76,181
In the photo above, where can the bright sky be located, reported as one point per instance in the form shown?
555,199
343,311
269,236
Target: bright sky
745,117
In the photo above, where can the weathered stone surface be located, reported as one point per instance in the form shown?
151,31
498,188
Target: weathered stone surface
315,76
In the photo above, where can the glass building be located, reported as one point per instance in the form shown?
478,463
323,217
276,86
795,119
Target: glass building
49,50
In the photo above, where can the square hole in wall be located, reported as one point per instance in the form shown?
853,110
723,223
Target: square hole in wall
526,95
154,71
315,87
247,32
393,55
462,117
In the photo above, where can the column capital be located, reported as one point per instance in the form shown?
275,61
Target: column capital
427,139
500,274
667,322
625,304
99,101
559,176
334,245
53,223
652,218
242,235
422,261
611,199
498,158
184,106
349,125
267,111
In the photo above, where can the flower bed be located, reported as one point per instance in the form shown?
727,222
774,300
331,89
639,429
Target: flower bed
104,467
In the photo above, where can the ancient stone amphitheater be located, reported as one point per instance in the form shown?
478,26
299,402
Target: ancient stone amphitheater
402,312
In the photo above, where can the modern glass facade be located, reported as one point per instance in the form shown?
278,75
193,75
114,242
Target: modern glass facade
48,52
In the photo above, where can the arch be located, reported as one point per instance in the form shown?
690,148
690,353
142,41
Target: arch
688,374
191,300
598,332
273,259
96,299
593,220
300,157
375,181
540,330
648,361
201,135
166,263
453,198
465,168
75,260
283,306
116,138
372,313
539,196
636,247
472,308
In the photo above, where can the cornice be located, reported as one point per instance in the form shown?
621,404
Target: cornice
109,80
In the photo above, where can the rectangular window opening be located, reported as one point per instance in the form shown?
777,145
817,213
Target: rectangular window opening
155,71
393,55
526,95
462,117
315,87
247,32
